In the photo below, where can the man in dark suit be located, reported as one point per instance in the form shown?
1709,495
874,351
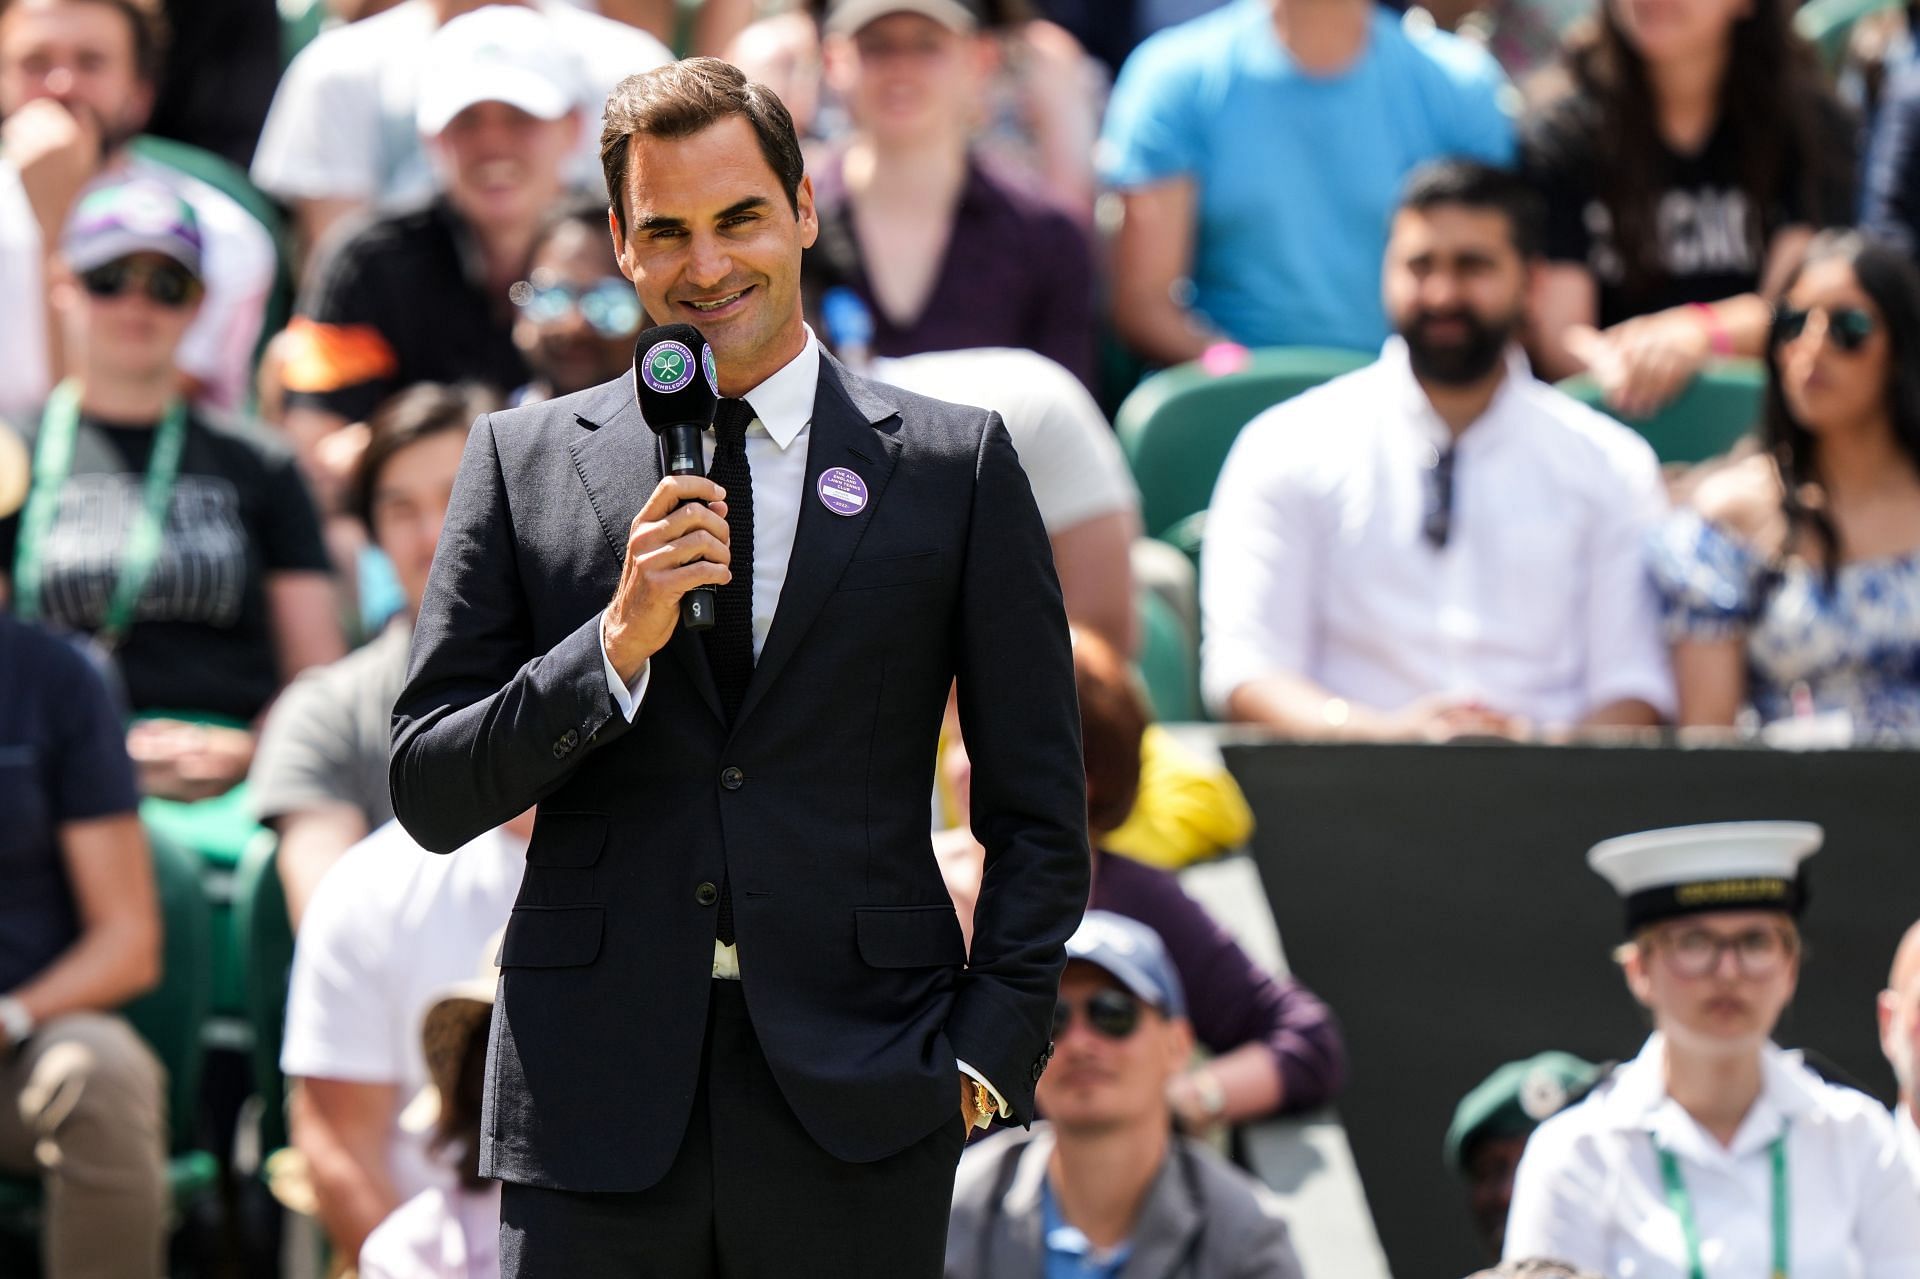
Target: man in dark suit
736,1016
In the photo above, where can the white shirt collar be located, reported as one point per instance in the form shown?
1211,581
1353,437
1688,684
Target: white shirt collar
1398,363
784,401
1638,1098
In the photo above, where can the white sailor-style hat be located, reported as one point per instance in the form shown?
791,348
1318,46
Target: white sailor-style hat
1689,870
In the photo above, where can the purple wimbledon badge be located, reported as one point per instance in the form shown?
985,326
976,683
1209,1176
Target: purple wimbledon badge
842,492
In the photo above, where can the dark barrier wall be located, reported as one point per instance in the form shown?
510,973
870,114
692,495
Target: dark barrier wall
1439,898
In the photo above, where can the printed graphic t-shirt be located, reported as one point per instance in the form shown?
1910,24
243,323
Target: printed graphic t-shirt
201,638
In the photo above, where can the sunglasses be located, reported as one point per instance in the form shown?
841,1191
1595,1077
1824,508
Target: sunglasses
607,305
167,283
1848,327
1113,1014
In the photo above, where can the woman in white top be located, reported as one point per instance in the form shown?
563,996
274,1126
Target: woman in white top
1714,1154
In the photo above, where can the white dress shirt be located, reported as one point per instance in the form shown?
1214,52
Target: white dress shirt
1589,1189
1909,1139
1316,564
777,455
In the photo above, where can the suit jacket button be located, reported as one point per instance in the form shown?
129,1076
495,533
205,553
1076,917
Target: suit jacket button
732,778
572,737
560,749
706,894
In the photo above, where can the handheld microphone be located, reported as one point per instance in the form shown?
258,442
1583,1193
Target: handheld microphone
678,390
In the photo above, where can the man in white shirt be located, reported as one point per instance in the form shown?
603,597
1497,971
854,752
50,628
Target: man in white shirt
388,928
341,136
1437,544
76,86
1900,1040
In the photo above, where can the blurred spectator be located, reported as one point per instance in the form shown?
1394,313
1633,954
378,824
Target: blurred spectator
1080,480
947,255
782,51
1044,100
1437,545
222,65
1535,1268
1793,584
1276,1046
1890,199
185,544
1491,1125
1715,1151
1103,1185
1258,151
82,1099
319,777
76,85
1900,1039
576,315
422,294
387,928
342,134
1683,175
448,1232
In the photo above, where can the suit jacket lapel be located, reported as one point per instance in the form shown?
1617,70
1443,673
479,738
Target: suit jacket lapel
852,427
618,459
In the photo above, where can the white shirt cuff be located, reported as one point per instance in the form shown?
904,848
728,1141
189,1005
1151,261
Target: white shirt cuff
999,1102
625,696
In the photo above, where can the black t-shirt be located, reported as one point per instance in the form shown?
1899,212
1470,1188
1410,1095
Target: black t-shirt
63,758
201,638
399,300
1707,241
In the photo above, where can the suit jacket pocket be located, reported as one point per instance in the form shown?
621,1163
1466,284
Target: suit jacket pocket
567,839
890,570
910,936
552,936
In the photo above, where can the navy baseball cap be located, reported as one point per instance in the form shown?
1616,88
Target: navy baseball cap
1133,955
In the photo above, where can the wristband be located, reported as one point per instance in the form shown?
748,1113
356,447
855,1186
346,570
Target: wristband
1224,357
1719,341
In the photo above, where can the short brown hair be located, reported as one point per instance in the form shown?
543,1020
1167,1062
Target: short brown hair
405,418
151,34
1113,719
681,99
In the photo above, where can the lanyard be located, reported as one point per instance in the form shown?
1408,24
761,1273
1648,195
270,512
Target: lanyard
1682,1204
52,463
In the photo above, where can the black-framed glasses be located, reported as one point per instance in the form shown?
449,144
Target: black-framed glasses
608,305
1696,952
1848,327
167,283
1436,519
1114,1014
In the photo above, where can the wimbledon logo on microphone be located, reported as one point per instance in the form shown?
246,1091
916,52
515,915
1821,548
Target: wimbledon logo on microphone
667,366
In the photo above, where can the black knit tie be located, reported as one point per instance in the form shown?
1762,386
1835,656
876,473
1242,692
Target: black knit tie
730,640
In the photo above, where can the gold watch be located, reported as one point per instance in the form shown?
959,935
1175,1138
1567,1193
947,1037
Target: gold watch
984,1109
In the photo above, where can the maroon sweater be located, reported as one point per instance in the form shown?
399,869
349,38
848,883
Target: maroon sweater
1231,1000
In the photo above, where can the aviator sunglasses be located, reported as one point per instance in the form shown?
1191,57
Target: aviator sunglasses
608,305
1848,327
1113,1014
167,283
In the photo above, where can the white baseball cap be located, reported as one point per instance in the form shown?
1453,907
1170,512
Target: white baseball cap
502,53
847,16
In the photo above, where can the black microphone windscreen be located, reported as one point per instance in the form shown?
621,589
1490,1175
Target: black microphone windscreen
674,377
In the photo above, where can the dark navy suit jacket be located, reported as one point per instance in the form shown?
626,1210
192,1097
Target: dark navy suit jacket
815,801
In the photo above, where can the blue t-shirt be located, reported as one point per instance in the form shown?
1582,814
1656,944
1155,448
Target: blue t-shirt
63,758
1298,175
1070,1254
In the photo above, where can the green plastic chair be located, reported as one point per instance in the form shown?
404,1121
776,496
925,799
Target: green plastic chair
1169,663
169,1018
264,940
1716,411
1177,425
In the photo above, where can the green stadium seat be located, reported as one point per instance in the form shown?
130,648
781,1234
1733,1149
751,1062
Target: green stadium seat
264,941
1177,425
1718,409
169,1018
1169,661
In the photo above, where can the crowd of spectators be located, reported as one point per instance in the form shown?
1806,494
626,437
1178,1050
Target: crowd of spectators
250,305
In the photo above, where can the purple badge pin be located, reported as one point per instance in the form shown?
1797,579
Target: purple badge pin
842,492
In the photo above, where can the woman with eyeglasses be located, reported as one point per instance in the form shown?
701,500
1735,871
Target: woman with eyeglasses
182,543
1791,586
1695,153
1715,1154
575,315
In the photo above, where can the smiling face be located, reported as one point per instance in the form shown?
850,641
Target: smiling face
502,166
905,77
1722,1010
712,242
78,53
1826,386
